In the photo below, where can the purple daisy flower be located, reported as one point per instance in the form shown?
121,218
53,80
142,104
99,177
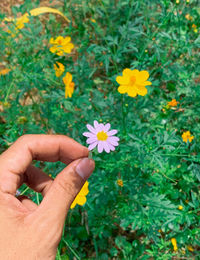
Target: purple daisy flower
101,137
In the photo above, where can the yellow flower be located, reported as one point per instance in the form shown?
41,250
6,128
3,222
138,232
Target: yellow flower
177,1
180,207
21,21
6,104
183,251
186,136
120,183
174,243
19,24
196,30
133,82
173,103
93,20
188,17
22,120
61,45
69,85
81,197
4,71
190,248
188,1
59,69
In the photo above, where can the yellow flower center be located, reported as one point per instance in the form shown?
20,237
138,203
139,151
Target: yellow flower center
132,80
59,42
102,136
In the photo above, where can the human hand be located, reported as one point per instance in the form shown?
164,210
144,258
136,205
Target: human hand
29,231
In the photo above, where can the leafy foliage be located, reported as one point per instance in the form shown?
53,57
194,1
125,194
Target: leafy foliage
159,171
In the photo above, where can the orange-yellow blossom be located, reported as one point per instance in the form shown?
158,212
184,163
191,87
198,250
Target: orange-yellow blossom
174,243
186,136
81,197
4,71
69,85
133,82
21,21
61,45
190,248
120,183
59,69
173,103
188,17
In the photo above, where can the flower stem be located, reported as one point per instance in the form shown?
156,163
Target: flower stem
72,250
123,116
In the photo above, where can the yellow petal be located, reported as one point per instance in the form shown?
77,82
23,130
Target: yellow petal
67,78
59,52
59,69
143,75
134,73
59,40
122,89
38,11
66,40
43,10
73,204
132,92
81,200
67,92
53,49
122,80
84,191
126,72
147,83
52,41
142,91
68,48
4,71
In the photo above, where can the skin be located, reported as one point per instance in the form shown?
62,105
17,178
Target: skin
30,231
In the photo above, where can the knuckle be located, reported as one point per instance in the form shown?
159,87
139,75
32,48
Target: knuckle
24,138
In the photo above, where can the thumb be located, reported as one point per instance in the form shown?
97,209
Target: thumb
64,189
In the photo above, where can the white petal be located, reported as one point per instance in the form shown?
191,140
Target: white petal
112,132
106,147
100,147
101,127
88,134
111,140
114,138
91,129
106,127
112,148
96,124
92,146
91,140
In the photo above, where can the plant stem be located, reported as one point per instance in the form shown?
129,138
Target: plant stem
72,250
27,188
37,198
123,116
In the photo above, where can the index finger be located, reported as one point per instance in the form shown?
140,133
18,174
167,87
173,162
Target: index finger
15,160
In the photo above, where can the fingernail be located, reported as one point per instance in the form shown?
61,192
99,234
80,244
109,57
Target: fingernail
85,168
